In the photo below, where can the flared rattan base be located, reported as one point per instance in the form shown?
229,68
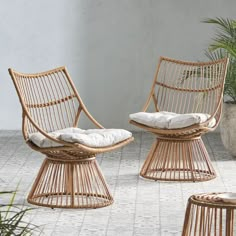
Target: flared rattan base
178,160
70,184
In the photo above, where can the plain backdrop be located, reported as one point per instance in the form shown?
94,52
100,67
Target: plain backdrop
110,47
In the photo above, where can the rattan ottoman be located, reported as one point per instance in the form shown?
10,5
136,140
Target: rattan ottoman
210,214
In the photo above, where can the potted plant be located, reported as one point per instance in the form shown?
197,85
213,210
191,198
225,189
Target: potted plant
12,218
224,45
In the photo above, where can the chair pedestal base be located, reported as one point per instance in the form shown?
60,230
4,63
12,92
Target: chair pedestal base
70,184
178,160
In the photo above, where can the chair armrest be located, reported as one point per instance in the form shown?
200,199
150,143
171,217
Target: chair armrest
216,115
91,117
42,131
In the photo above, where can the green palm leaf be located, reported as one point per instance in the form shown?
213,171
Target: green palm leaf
224,45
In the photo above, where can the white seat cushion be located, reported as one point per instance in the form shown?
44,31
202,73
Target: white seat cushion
90,137
170,120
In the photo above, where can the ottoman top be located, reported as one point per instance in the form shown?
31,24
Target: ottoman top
221,199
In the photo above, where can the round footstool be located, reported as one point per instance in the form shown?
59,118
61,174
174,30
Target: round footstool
210,214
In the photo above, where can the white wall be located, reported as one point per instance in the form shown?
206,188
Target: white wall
110,47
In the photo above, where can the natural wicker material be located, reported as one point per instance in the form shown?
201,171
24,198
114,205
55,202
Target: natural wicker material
208,214
69,176
183,87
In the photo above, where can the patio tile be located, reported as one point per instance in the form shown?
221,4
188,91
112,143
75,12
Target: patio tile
141,207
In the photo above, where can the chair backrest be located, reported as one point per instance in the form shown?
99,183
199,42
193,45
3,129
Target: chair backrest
49,100
188,87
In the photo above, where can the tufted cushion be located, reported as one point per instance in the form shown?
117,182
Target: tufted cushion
90,137
170,120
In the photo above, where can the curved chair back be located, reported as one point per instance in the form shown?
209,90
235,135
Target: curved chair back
186,87
49,100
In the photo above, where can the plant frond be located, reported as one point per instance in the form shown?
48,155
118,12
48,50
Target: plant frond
225,26
224,45
12,219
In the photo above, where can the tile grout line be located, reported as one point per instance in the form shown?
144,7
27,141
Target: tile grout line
138,179
113,194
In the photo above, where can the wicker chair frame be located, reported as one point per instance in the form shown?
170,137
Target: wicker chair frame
184,87
69,176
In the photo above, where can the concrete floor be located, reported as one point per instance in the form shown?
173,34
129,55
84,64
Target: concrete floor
141,207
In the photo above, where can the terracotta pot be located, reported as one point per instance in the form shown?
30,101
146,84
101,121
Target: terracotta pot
228,127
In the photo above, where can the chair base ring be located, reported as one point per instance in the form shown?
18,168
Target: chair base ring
178,160
70,184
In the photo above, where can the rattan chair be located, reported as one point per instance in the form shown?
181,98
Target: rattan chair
69,176
179,154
